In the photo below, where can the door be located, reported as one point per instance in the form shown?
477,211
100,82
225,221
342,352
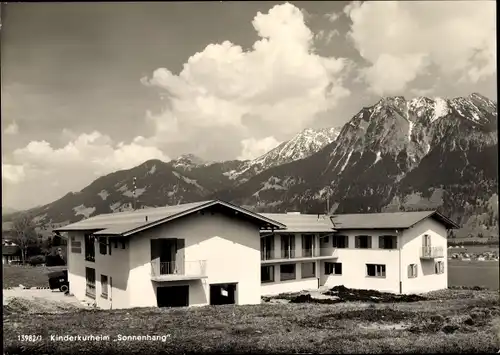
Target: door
172,296
222,294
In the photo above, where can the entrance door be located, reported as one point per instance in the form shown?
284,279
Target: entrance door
223,294
172,296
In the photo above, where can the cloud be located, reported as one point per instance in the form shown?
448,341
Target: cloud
327,36
12,129
40,172
332,17
279,85
254,148
403,40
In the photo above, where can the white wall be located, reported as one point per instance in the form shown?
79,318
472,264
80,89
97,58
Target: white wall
114,266
426,279
230,246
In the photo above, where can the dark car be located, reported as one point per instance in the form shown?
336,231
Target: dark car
59,280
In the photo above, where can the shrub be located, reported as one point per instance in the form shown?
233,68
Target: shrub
37,260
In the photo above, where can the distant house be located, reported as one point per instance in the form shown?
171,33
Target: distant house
11,253
214,252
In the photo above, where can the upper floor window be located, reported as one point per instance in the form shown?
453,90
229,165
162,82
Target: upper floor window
288,246
103,245
89,240
307,245
363,241
340,241
388,242
76,245
426,240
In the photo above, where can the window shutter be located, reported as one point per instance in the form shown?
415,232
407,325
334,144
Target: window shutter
369,237
409,271
442,267
416,270
381,241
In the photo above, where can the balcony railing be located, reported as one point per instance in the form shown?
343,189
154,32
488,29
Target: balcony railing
187,268
431,252
292,254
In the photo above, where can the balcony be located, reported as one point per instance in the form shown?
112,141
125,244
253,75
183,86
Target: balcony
269,257
431,252
175,270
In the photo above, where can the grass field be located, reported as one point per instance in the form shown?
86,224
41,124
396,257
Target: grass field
29,276
451,324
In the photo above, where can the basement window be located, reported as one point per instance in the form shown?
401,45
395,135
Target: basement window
287,272
333,268
308,270
267,274
439,267
412,271
104,286
374,270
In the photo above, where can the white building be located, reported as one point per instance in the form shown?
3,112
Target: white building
213,252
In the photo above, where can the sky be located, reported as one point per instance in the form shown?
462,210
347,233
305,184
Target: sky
91,88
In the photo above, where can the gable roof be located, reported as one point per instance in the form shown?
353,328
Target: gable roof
128,223
391,220
302,223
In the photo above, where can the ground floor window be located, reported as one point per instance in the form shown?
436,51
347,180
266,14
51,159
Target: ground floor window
374,270
267,274
333,268
90,280
308,270
287,272
439,266
104,286
412,271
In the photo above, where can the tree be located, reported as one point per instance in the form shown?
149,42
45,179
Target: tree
24,234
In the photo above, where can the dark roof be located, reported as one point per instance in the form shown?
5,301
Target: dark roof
11,250
128,223
302,223
390,220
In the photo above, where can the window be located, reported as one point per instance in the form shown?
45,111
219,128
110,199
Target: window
267,274
439,267
308,270
104,286
76,245
90,280
267,247
412,271
89,247
288,246
374,270
287,272
103,246
340,241
308,245
115,241
426,241
333,268
363,241
387,242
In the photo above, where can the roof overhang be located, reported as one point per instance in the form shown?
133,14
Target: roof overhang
262,221
448,223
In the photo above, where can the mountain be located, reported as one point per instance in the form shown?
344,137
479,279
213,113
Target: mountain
7,210
187,178
301,146
397,154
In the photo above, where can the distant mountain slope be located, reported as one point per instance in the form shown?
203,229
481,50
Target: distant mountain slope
185,179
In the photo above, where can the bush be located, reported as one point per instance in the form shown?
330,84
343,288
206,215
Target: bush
37,260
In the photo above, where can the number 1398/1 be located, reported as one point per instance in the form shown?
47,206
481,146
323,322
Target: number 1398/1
29,338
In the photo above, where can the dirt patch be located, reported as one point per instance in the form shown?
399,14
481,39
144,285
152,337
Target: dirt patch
348,295
18,305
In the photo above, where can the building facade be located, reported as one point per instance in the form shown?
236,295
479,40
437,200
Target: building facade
216,253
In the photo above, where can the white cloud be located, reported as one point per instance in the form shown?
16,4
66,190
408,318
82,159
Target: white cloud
332,17
12,129
254,148
327,36
401,40
40,172
279,85
13,173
